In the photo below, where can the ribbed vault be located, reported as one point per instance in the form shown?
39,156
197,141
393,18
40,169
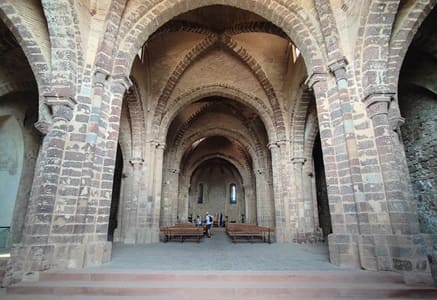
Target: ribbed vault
209,137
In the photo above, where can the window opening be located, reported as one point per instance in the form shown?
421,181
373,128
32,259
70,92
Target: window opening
233,193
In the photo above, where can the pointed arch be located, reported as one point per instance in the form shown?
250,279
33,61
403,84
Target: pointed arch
405,29
137,120
298,120
221,90
146,19
33,40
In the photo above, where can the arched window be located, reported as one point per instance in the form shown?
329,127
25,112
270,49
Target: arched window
200,193
233,193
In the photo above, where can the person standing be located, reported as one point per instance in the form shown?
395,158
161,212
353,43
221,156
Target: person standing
198,221
208,222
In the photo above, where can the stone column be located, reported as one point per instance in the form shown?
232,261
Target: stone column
404,249
150,203
308,219
250,203
183,195
124,196
157,188
265,215
130,217
283,230
35,252
310,200
177,199
171,202
297,182
343,248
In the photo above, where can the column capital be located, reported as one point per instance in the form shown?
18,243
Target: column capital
338,64
278,144
124,81
173,170
260,171
52,100
338,68
298,160
156,144
62,107
282,142
378,104
136,162
43,126
314,78
394,116
273,146
100,77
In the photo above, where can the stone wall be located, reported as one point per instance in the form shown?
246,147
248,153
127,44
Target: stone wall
419,134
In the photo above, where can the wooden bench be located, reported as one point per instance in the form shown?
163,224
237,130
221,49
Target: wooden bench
248,232
182,233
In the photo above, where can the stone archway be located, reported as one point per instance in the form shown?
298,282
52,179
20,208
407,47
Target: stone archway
210,191
216,128
20,141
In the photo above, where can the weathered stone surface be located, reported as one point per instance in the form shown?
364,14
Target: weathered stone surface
286,113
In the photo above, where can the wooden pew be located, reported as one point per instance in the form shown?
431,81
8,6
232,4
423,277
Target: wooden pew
182,233
248,232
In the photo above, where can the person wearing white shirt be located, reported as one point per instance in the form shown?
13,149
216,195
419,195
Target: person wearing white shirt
208,222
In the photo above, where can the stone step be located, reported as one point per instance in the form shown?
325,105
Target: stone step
228,285
264,277
229,292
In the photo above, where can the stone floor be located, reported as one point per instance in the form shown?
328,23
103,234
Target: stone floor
218,253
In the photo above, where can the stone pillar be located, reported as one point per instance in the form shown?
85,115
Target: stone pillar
150,203
264,210
124,196
283,232
99,165
297,182
131,201
157,189
403,219
250,202
177,198
310,200
171,203
404,249
183,198
36,252
343,247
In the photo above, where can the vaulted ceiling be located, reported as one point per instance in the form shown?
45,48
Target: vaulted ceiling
224,48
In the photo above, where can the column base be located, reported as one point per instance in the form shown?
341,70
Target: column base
343,250
405,254
29,260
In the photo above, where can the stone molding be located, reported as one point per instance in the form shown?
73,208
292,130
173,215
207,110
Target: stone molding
62,107
136,162
43,126
378,104
338,68
314,78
